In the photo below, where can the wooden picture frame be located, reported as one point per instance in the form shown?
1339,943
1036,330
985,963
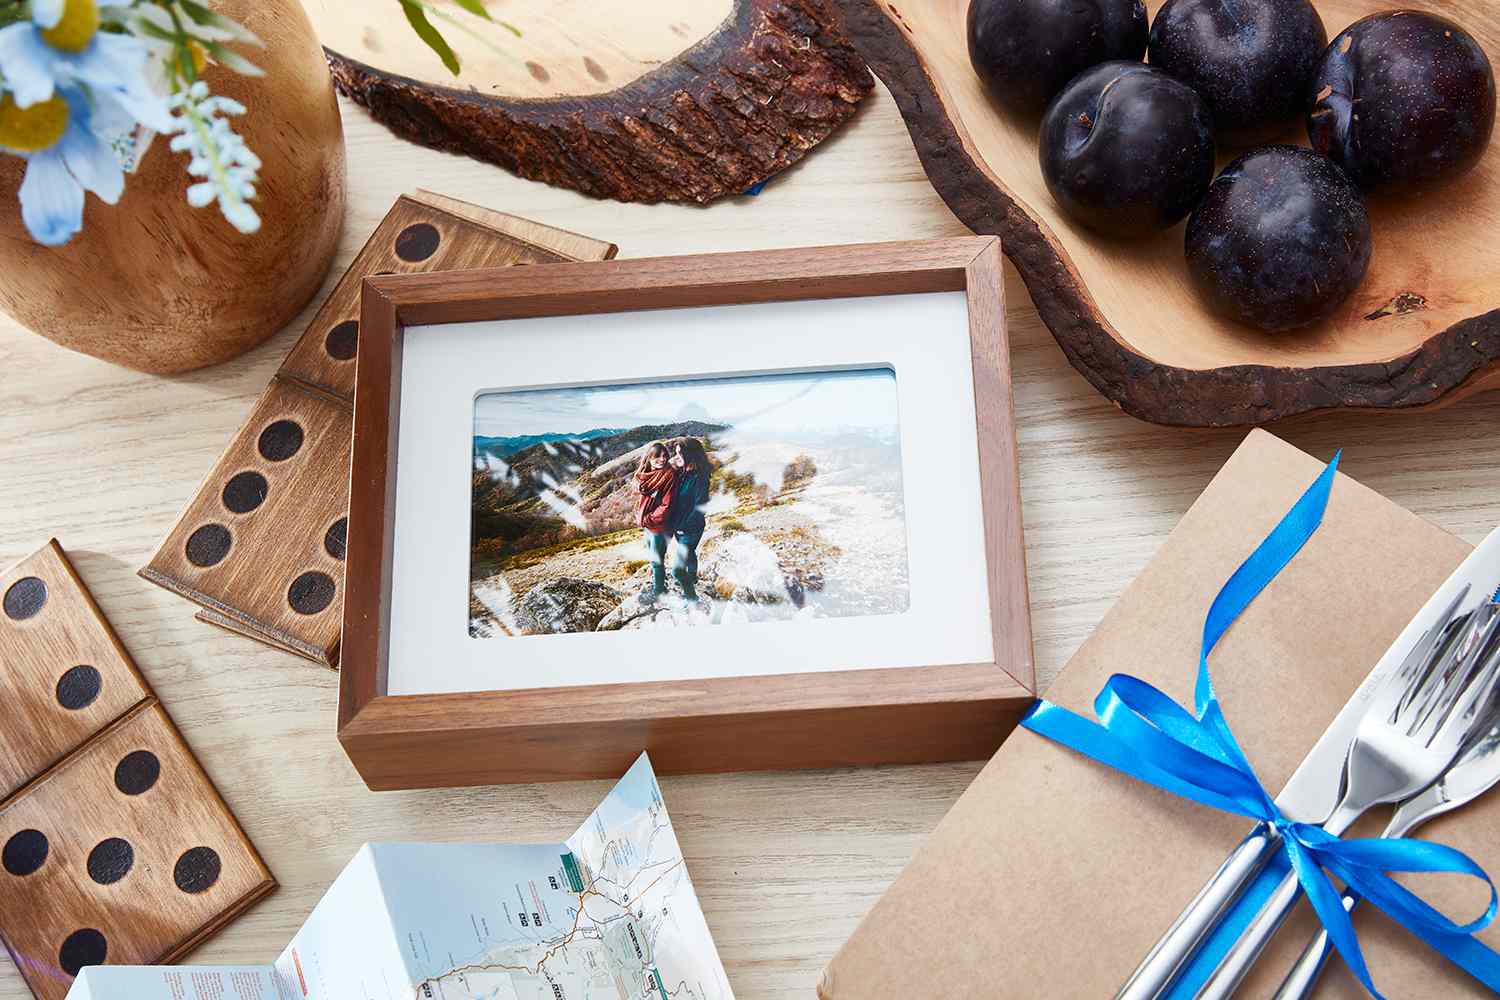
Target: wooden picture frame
891,714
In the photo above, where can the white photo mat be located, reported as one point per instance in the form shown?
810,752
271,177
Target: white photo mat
923,338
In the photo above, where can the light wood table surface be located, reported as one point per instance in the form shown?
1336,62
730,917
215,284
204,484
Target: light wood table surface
785,864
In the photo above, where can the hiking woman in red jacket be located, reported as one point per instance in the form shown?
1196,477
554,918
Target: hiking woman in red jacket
656,482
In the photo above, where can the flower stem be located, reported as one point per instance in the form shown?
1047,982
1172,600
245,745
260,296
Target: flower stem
12,11
184,75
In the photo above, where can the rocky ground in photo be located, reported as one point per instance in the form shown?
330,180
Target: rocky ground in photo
830,547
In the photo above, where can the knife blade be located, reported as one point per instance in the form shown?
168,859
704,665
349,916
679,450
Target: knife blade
1312,792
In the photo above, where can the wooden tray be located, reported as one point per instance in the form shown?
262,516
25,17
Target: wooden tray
1422,327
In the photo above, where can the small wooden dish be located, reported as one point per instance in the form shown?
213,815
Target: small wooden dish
1423,326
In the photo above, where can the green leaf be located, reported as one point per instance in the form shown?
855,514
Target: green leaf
475,7
417,18
203,16
145,27
232,60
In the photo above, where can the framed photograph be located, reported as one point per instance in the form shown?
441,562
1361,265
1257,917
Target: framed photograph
744,511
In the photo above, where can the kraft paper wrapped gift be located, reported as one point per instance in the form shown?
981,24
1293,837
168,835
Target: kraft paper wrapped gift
1053,875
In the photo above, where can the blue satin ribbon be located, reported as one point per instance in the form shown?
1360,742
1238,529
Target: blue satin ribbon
1144,733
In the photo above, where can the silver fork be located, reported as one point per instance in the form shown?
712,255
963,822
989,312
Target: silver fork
1475,772
1415,727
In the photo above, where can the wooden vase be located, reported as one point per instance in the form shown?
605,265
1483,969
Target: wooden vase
156,285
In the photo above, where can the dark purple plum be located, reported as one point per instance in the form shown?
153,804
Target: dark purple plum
1025,51
1280,240
1251,60
1127,150
1402,100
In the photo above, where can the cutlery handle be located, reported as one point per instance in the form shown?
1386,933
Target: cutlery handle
1298,984
1236,963
1166,959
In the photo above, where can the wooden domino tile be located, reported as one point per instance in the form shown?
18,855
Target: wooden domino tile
416,235
114,845
266,550
124,854
63,673
260,547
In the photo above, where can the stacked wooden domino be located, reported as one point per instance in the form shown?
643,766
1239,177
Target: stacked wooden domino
261,546
114,844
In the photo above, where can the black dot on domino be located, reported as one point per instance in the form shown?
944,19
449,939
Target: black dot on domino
137,771
82,948
24,598
78,687
310,593
24,852
245,491
336,541
197,870
209,545
111,860
342,342
280,440
417,242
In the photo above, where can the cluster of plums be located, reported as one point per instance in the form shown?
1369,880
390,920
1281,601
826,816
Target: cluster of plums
1395,103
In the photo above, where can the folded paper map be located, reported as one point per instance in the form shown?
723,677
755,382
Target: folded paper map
610,914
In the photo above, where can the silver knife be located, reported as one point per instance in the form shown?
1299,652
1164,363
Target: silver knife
1313,789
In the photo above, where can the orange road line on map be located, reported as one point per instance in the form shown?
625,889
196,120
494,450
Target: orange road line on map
567,938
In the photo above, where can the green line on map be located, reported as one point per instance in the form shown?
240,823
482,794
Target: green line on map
659,984
575,876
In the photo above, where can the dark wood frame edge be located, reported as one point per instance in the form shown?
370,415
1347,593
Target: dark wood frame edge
1231,396
941,713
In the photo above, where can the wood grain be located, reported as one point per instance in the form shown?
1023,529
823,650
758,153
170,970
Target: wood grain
65,633
250,587
206,292
94,847
1127,317
889,716
895,715
143,914
247,580
785,863
655,102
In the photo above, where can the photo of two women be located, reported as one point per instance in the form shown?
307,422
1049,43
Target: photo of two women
760,498
673,482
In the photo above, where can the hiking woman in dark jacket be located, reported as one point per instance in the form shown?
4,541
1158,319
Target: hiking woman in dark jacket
685,518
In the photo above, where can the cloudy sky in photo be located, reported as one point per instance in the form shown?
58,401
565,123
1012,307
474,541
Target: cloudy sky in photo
864,399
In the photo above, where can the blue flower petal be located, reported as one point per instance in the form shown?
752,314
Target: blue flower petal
51,199
148,109
114,68
46,13
92,163
30,70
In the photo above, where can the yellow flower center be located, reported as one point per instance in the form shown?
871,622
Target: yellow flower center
79,24
33,129
200,56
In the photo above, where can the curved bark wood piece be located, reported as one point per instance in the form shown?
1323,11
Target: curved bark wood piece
631,101
1423,327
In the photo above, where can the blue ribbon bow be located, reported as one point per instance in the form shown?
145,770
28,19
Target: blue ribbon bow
1144,733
